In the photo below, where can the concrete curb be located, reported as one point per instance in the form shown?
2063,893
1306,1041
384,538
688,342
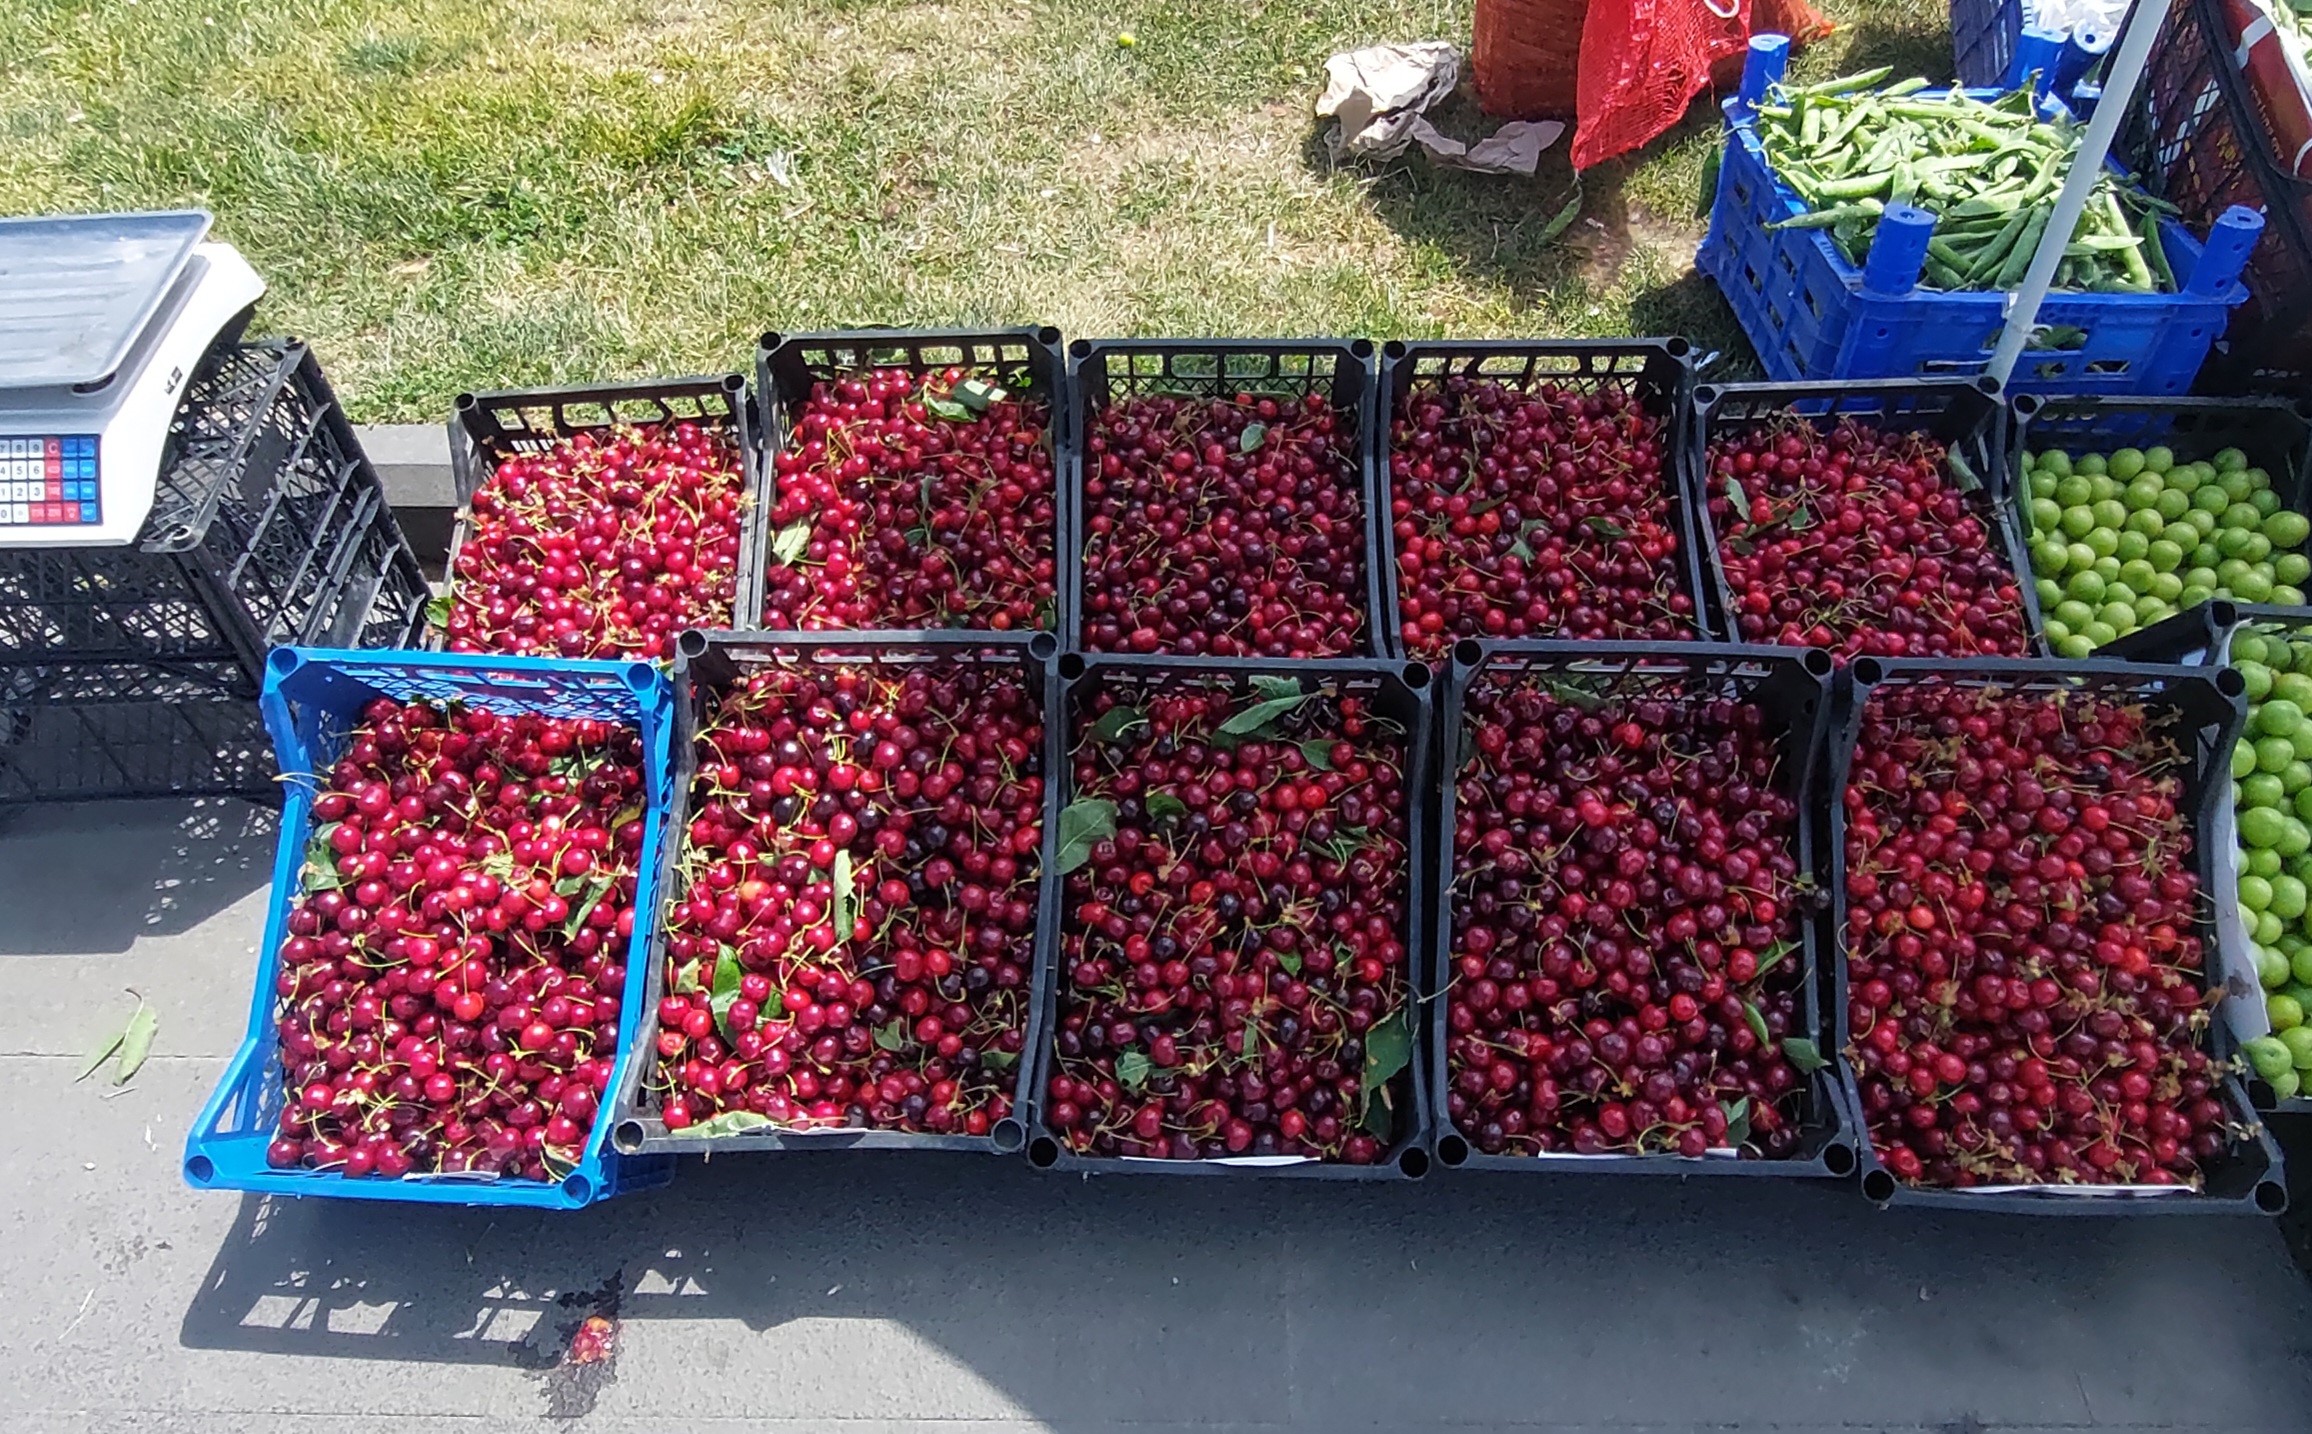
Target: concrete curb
413,460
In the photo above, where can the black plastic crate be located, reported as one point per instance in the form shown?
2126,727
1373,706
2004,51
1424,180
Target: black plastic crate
487,428
1400,692
1107,371
705,660
269,526
1965,414
1791,687
79,731
2271,431
2198,133
1024,360
2243,1007
2247,1180
1659,373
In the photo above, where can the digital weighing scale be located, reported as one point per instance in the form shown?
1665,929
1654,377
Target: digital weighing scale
103,319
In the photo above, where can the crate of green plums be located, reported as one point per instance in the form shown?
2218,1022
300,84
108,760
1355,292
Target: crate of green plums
2264,937
2135,509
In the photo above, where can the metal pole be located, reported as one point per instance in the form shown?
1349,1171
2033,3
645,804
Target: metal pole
2118,93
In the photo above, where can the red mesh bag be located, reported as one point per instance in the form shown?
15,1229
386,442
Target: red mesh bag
1643,61
1524,56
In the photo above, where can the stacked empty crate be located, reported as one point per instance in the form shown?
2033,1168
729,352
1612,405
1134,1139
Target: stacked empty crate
132,671
2219,121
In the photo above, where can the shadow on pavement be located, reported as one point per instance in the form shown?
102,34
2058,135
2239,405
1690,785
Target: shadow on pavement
1268,1302
94,877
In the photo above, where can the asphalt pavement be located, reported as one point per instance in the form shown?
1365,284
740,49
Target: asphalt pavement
871,1294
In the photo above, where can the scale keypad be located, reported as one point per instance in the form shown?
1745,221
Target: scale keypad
48,482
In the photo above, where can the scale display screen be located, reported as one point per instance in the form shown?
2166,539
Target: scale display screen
48,482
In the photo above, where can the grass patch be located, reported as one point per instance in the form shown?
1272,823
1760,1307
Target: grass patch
447,196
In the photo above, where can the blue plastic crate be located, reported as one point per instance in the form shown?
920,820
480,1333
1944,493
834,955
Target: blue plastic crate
1810,314
1990,49
311,698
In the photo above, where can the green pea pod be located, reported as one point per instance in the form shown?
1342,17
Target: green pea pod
1845,84
1824,218
2019,258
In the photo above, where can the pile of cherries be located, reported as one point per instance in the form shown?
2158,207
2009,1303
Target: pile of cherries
1233,973
1227,527
1860,542
602,545
852,924
910,499
1626,968
2024,990
450,985
1540,512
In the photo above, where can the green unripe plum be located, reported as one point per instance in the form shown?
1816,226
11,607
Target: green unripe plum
2050,592
2269,1056
2299,1046
2300,963
2077,522
2142,492
2164,556
2073,489
2210,500
2287,898
2106,567
2202,521
2285,1011
2086,587
2264,501
2099,633
2291,569
2048,559
2071,645
2288,596
2124,464
2043,485
2262,789
2272,754
2257,550
2194,594
2159,458
2172,504
2287,528
2167,587
2235,485
2103,542
2073,614
2262,861
2259,827
2102,486
2149,609
2229,459
2045,513
2254,585
2078,556
2110,513
2258,677
2292,686
2286,1086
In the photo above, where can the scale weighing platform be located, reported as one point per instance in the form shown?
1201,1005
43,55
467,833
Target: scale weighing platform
103,319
